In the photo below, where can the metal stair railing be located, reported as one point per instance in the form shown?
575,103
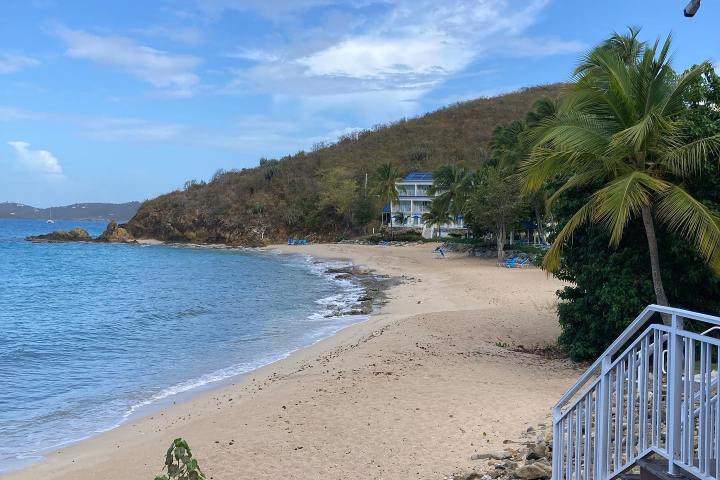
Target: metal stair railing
628,405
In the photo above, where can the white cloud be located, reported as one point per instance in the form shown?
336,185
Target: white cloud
253,54
542,47
132,130
373,57
38,161
11,63
391,59
275,9
172,72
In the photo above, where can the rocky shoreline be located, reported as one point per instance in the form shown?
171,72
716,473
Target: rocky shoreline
374,287
114,233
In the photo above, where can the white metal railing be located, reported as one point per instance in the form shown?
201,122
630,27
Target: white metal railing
628,404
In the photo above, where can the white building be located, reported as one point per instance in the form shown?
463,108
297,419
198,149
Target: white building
414,200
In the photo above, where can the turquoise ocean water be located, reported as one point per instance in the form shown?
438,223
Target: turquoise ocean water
91,334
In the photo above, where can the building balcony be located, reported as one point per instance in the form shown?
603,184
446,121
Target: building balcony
415,197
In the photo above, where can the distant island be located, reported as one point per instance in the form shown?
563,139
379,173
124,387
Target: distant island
77,211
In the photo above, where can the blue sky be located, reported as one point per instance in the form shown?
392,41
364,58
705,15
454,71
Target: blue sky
119,101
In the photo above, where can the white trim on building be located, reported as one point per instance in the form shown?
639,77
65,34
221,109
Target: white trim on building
414,200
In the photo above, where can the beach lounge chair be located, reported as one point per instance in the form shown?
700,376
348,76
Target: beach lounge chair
511,262
517,262
298,241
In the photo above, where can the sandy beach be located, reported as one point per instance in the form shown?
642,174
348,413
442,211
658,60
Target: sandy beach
435,376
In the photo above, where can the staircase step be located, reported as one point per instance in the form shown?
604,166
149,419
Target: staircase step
656,469
628,476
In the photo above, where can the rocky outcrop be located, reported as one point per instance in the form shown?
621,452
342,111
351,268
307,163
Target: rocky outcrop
115,233
77,234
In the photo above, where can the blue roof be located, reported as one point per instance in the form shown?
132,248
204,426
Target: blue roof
419,177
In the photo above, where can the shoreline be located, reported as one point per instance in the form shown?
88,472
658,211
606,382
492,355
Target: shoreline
199,419
348,278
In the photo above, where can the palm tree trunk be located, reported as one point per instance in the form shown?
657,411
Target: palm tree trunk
500,240
654,260
540,226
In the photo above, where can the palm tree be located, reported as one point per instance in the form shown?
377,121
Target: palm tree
384,186
542,109
400,218
452,186
618,133
510,146
436,216
506,148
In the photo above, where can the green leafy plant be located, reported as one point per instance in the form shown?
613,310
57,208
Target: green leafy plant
180,463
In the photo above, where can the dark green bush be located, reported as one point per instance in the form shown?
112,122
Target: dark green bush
612,286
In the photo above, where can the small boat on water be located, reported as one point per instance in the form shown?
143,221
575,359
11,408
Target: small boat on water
50,220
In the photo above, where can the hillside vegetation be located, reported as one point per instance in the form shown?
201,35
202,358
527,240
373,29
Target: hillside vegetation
321,193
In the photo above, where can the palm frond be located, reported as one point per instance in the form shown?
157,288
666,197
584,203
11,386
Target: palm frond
674,97
543,165
684,214
551,262
637,137
578,180
684,159
622,199
574,131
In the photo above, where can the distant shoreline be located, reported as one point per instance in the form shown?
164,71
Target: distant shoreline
92,211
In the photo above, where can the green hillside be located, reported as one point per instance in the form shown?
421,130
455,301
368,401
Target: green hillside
321,193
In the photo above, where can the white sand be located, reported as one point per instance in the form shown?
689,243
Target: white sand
410,393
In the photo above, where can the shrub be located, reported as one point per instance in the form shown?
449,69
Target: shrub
180,463
610,287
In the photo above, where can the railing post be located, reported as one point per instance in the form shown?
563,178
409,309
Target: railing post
674,397
601,422
556,447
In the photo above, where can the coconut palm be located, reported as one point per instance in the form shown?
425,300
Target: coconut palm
452,186
400,218
618,133
437,216
383,185
506,148
510,146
